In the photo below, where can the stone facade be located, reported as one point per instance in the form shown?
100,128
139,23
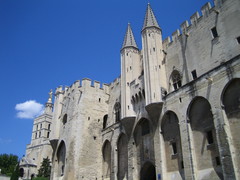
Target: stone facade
172,114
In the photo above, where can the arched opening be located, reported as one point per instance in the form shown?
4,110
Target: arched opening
144,143
231,103
21,172
61,157
204,138
122,148
105,121
106,160
32,176
117,111
64,119
148,172
176,79
172,141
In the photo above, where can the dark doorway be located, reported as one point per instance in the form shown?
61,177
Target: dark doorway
148,172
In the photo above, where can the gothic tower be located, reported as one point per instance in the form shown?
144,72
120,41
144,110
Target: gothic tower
153,58
130,70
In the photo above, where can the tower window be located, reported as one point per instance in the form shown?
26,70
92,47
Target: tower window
48,133
65,119
238,40
174,148
35,135
194,74
209,137
39,134
41,126
214,32
49,126
218,161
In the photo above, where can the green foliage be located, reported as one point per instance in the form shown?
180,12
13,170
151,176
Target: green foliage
45,169
8,163
16,173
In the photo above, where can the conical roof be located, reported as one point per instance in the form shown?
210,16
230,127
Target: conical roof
129,40
150,20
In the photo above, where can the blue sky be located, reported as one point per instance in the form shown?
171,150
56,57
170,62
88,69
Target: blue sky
47,43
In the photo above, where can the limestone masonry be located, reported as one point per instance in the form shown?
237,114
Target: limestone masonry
174,113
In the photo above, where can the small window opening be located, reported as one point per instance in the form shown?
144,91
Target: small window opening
48,133
105,121
35,135
128,107
194,74
94,137
88,118
41,126
182,164
149,34
174,147
154,49
37,127
218,161
176,79
238,40
180,100
65,119
127,54
49,125
39,134
214,32
99,100
209,137
130,67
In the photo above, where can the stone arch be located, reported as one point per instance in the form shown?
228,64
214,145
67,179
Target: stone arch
61,158
106,151
230,99
170,131
21,172
148,171
122,149
143,138
204,138
105,117
175,79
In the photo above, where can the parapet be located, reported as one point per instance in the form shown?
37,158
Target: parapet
206,10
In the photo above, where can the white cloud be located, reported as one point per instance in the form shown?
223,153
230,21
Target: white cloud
29,109
5,141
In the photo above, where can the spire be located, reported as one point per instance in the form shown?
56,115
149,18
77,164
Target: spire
129,40
150,20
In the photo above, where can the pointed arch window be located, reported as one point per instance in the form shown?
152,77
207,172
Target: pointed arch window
176,79
117,111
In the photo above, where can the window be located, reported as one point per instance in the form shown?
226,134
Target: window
238,40
174,147
209,137
218,161
35,135
48,133
39,134
117,111
64,119
214,32
176,79
49,126
37,127
194,74
105,121
41,126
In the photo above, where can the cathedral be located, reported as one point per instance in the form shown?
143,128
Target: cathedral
172,114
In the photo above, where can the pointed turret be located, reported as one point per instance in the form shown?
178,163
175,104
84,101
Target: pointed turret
129,40
150,20
49,104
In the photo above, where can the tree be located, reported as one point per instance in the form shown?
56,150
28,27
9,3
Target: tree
8,163
16,173
45,169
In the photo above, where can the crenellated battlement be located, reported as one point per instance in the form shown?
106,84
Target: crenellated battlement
83,84
188,26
